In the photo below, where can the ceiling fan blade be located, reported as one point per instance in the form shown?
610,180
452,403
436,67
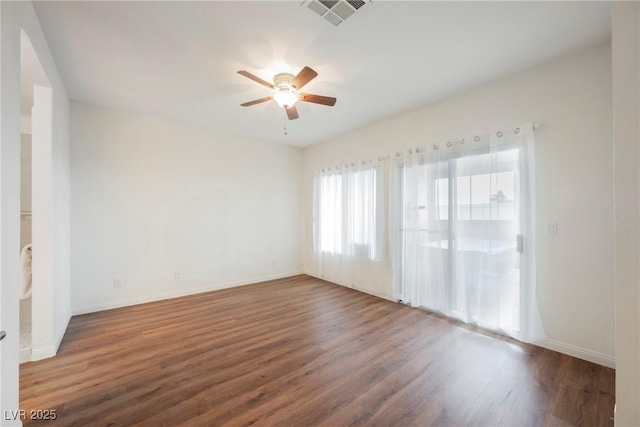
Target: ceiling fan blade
257,101
304,77
318,99
255,78
292,113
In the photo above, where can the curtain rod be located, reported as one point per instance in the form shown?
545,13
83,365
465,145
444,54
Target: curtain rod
516,130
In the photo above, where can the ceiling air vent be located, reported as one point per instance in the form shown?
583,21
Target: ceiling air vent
329,3
357,4
335,11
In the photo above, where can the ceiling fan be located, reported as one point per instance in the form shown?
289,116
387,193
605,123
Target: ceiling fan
285,91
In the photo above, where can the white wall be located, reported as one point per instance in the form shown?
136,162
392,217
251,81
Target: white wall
571,100
625,20
13,16
151,197
25,188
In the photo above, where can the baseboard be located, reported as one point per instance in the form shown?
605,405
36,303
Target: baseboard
375,294
61,332
355,288
92,308
50,350
579,352
25,355
43,353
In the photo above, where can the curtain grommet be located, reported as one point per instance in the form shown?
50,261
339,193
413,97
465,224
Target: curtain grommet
517,131
476,139
397,154
435,146
449,144
499,134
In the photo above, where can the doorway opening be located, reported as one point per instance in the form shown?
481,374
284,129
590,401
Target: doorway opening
36,105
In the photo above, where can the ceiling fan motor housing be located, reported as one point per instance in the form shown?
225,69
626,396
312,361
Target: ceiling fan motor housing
283,80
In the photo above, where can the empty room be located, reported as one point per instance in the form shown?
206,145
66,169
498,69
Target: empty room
314,212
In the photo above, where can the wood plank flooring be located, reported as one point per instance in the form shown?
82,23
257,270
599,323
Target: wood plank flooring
304,352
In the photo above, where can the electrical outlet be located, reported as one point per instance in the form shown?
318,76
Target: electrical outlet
117,282
177,275
552,228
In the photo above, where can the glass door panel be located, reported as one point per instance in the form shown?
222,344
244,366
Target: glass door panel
461,219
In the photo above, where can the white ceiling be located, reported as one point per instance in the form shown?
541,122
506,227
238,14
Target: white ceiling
179,59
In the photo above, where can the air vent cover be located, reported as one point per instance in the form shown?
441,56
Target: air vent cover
335,11
343,10
357,4
328,3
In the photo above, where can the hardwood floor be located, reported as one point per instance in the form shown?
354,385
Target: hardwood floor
303,352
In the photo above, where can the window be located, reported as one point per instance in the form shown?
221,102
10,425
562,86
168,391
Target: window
348,206
330,202
480,195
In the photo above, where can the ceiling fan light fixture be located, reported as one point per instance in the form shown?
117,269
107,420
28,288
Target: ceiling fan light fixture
285,89
285,97
284,92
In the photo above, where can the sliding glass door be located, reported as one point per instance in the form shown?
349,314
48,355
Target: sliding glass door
460,219
486,228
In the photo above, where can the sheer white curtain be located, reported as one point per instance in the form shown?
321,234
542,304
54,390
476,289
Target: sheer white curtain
350,225
463,231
